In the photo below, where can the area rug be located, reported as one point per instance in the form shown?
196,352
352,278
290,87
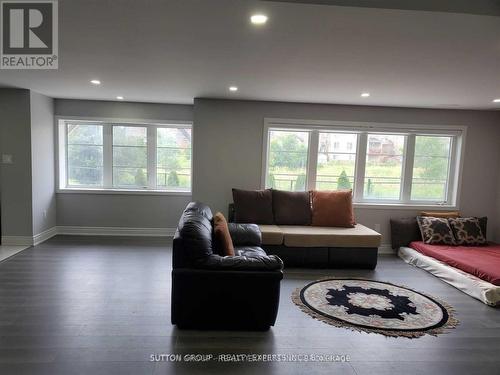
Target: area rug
375,307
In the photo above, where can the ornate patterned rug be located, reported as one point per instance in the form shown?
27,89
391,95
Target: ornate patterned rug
374,306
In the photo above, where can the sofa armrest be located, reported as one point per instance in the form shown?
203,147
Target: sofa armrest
239,263
245,234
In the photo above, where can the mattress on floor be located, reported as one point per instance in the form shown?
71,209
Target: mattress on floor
480,261
467,283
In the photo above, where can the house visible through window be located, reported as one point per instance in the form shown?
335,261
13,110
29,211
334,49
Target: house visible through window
398,165
100,155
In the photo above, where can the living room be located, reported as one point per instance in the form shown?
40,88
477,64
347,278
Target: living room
353,143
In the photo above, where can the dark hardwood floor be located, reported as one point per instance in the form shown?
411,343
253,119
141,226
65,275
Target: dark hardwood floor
94,306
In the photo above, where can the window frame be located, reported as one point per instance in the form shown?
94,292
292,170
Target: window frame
108,124
410,131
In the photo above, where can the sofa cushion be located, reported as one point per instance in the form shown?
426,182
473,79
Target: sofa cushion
332,209
292,208
222,236
271,234
253,206
404,231
303,236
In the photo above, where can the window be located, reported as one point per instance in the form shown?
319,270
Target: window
383,164
118,156
85,155
288,152
174,158
431,168
336,167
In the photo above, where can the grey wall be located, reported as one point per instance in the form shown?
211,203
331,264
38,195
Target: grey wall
228,138
42,163
121,210
15,139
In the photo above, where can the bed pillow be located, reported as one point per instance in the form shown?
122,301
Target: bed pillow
436,231
467,231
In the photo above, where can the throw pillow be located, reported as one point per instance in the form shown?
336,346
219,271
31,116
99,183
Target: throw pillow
443,214
253,206
332,209
467,231
291,208
222,236
436,231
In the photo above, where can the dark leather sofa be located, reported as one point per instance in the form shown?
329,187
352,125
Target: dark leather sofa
210,291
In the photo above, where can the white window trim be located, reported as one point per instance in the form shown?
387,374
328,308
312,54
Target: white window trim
455,169
152,125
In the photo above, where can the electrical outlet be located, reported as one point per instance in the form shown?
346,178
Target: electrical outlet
45,214
7,159
376,227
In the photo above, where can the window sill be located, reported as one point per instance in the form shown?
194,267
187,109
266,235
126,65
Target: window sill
400,206
123,192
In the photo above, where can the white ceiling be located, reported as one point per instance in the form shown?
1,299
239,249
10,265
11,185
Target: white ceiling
173,51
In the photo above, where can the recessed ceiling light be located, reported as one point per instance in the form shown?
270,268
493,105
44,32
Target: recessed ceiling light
258,19
95,82
365,94
496,100
119,97
233,88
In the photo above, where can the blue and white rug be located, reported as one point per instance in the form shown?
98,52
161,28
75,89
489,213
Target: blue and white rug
374,306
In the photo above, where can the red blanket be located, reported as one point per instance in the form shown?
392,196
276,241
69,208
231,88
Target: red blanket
481,261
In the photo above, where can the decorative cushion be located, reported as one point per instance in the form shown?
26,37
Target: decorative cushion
222,236
253,206
404,231
443,214
332,209
436,231
291,208
483,223
467,231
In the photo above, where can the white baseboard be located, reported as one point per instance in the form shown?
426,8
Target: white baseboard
115,231
86,231
386,248
44,236
17,240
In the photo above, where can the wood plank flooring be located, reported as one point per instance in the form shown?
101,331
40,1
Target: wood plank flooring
76,305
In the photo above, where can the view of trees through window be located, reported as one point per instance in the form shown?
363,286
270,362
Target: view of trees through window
174,158
431,168
336,161
129,150
383,167
288,152
85,155
130,154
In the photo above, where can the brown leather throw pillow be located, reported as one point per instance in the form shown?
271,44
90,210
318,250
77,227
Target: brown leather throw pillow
253,206
333,209
222,235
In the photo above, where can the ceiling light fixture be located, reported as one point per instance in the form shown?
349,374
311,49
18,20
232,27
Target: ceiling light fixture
233,88
95,82
258,19
496,100
119,97
365,94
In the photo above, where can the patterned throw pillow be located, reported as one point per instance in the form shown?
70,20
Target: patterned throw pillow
467,231
436,231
